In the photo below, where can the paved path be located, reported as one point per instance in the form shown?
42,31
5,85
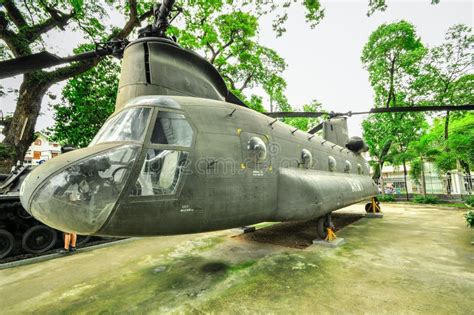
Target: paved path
415,260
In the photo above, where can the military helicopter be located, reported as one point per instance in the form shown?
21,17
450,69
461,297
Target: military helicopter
182,154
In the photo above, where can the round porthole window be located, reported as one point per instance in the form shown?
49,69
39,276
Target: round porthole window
306,158
332,163
257,148
348,167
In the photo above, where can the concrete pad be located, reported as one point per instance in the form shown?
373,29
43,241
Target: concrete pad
419,261
37,259
371,215
332,244
244,229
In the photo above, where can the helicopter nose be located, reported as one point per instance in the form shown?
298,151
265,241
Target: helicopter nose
77,191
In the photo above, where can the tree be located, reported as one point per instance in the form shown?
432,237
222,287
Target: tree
87,101
460,143
421,151
392,56
445,78
409,128
378,132
23,25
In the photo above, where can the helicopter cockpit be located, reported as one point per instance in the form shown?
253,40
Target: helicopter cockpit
141,151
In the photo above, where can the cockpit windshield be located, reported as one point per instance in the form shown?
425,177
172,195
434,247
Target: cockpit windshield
128,125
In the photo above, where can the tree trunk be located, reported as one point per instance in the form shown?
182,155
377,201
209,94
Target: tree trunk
405,178
446,129
20,134
423,179
381,178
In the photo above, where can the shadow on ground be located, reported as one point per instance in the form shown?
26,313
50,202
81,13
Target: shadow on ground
296,234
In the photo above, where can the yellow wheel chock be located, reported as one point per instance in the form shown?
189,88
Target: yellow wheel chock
375,205
331,235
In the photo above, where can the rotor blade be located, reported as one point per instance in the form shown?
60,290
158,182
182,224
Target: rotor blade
43,60
296,114
316,128
434,108
28,63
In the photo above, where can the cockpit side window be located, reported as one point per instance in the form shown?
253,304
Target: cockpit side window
161,173
173,129
128,125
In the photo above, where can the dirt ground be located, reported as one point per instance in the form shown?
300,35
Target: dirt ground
414,260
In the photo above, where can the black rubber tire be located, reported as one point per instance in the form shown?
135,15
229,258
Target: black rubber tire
368,207
22,213
39,239
321,227
82,240
7,243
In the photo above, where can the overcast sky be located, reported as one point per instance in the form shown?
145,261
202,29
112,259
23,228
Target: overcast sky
323,63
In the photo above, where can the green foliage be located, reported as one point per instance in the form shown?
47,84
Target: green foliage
386,198
469,201
426,199
444,78
88,100
381,5
7,152
469,218
415,170
392,56
458,147
305,123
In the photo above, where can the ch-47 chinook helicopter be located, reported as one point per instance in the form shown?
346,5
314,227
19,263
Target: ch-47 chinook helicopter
181,154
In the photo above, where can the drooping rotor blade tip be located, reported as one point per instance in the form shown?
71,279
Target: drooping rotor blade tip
33,62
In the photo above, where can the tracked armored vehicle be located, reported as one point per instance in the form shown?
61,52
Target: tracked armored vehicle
20,233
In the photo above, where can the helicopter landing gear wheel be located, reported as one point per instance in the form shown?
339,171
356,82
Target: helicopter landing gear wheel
39,239
82,240
373,206
323,224
7,243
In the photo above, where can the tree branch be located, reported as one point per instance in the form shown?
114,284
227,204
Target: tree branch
77,68
35,31
133,20
246,82
213,51
11,39
14,14
232,83
220,50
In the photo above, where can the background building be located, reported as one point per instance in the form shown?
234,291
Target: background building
454,182
41,150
